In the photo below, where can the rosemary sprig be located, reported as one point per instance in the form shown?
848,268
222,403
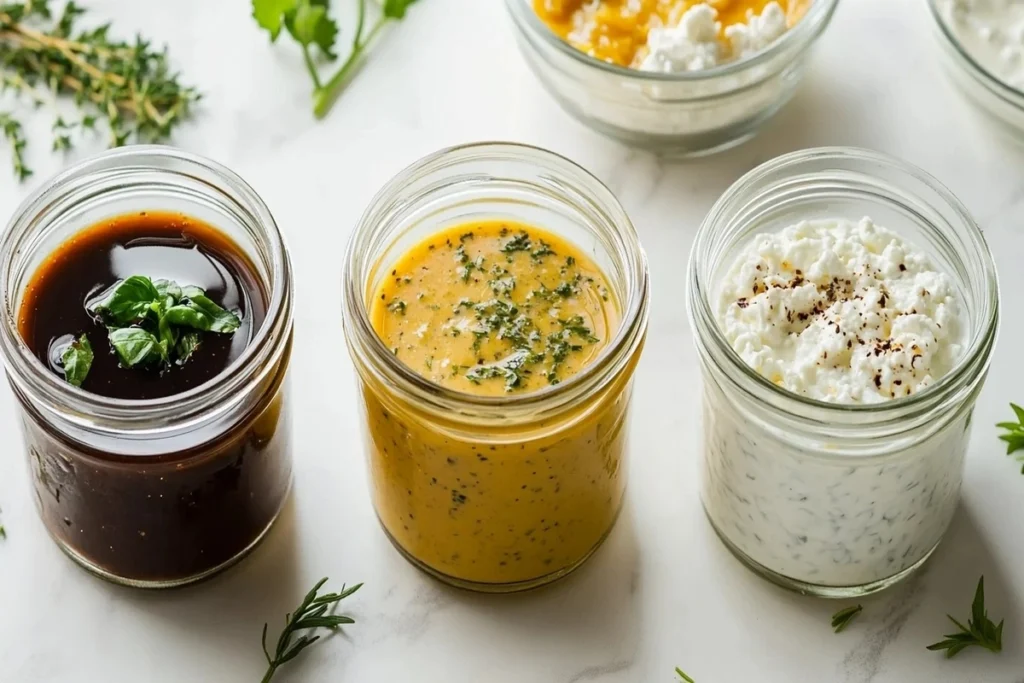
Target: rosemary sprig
980,630
311,614
1014,436
129,85
843,617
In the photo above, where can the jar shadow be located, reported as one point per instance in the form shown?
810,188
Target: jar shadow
225,614
591,618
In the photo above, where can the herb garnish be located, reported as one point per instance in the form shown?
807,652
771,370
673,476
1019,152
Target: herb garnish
77,359
843,617
127,84
307,22
980,630
683,676
311,614
397,306
149,323
1014,436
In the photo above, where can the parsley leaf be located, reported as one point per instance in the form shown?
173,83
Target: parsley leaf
308,24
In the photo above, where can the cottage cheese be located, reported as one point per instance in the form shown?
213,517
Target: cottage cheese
841,311
694,44
845,312
992,32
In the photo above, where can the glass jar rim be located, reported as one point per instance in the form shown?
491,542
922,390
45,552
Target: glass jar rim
206,401
365,343
998,87
809,27
980,342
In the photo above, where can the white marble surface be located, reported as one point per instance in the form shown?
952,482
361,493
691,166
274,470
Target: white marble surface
663,592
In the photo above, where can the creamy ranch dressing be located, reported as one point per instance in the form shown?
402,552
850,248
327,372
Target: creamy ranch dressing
842,312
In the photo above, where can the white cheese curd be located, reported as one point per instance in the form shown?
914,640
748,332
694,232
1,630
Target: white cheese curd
992,32
693,44
841,311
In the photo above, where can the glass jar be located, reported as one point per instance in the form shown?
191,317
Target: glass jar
686,114
837,499
160,492
539,477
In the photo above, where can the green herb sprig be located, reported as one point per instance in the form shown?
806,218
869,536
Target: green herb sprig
1014,436
842,618
307,22
682,676
149,323
127,84
311,614
980,630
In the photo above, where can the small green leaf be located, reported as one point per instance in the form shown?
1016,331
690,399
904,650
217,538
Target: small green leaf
186,346
310,25
168,290
1019,412
135,346
842,618
128,301
269,14
199,312
682,675
395,9
77,359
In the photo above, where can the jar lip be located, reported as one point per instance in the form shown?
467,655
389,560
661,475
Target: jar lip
23,363
809,27
361,335
980,342
998,87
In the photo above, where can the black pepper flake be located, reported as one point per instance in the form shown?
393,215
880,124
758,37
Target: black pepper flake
742,303
878,381
902,267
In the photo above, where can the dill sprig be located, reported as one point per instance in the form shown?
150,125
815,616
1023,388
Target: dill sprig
128,85
311,614
980,630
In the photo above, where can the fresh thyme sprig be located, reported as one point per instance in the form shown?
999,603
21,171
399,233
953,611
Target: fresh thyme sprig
980,630
310,615
129,85
1014,436
843,617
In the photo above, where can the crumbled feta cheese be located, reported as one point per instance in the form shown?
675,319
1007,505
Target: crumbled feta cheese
841,311
694,44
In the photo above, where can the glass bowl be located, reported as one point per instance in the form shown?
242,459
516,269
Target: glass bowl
678,114
994,97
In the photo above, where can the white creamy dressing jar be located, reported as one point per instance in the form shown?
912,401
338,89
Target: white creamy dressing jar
837,499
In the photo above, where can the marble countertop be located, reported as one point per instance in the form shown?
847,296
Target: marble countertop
663,591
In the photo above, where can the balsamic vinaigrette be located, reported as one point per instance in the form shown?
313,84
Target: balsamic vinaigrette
147,514
54,308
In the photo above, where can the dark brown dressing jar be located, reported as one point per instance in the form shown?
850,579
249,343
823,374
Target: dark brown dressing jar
142,483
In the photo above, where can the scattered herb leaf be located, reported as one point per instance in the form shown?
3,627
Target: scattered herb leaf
1014,436
980,630
842,618
682,675
311,614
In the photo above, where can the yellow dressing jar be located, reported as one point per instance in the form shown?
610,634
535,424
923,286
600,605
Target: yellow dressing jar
484,482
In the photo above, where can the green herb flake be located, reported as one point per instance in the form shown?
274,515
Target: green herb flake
397,306
842,618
